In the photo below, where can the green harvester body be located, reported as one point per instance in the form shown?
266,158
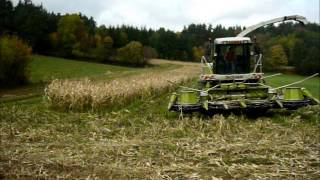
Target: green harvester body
237,83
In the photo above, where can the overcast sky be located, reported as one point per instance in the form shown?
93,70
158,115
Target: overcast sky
174,14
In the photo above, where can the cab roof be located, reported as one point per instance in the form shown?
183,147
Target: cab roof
232,40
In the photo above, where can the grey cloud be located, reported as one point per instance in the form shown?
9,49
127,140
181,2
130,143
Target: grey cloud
88,7
174,14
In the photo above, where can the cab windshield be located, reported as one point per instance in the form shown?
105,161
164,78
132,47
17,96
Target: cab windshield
232,59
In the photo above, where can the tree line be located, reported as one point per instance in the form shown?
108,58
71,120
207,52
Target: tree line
78,36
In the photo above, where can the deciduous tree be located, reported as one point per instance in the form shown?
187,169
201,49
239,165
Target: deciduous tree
277,58
131,54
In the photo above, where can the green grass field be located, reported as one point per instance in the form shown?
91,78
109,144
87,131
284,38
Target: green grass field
313,85
44,69
142,140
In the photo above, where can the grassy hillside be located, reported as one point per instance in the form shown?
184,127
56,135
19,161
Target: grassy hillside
44,69
141,139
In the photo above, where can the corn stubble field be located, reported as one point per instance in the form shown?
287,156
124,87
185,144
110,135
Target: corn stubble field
125,132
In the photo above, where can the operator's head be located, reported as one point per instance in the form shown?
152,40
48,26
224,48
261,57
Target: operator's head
254,38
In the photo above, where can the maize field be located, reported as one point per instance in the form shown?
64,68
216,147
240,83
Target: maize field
81,95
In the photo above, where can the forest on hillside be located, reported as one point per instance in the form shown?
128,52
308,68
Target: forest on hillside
78,36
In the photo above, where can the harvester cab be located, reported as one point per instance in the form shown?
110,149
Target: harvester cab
232,79
233,61
232,55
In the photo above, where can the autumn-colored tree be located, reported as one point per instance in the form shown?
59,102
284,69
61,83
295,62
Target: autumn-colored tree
131,54
149,52
15,57
198,52
72,34
103,50
54,40
288,43
276,58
